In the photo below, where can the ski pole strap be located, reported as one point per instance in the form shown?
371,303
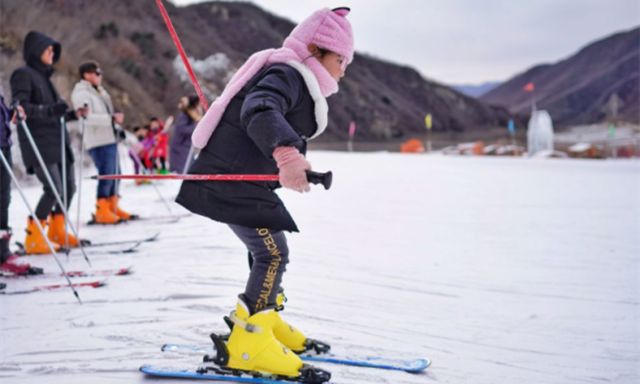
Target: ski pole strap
243,324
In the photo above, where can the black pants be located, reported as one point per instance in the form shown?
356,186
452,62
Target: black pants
5,199
5,190
47,203
270,257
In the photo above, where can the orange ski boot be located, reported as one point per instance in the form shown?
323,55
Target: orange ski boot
104,212
57,232
115,206
35,243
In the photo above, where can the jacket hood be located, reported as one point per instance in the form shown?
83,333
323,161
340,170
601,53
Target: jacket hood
34,44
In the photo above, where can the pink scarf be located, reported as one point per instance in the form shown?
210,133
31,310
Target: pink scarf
257,61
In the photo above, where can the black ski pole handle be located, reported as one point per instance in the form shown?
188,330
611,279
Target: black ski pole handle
320,178
15,105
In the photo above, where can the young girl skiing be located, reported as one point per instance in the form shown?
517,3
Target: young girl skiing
260,125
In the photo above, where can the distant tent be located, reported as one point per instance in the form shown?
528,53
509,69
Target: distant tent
412,146
540,133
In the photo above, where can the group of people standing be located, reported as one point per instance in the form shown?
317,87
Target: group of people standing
50,159
45,114
153,150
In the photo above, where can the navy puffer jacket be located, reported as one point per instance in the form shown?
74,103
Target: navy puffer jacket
274,109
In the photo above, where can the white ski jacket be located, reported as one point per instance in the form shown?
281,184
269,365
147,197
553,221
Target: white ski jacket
99,122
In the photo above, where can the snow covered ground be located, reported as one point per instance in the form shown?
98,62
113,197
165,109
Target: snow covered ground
499,270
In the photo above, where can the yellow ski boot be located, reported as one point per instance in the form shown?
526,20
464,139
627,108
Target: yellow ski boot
291,337
253,349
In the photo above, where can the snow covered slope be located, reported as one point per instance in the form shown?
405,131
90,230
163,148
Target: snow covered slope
499,270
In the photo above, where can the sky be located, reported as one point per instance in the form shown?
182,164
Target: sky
470,41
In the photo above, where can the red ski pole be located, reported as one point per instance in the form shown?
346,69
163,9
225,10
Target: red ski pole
176,41
314,177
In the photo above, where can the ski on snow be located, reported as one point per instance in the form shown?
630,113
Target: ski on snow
128,249
88,273
92,284
120,242
412,366
169,218
135,244
199,374
166,219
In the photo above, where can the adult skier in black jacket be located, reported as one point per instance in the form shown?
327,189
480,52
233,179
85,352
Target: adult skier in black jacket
31,85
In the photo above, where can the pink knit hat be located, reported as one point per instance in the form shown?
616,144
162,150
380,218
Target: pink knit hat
326,28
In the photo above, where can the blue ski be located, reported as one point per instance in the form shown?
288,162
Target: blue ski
154,370
416,365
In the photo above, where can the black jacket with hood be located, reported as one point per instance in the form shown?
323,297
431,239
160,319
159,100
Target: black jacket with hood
274,109
31,85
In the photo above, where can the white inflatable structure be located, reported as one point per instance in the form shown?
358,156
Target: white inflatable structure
540,133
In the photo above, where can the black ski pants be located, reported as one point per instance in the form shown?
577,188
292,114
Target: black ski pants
5,199
47,203
270,257
5,189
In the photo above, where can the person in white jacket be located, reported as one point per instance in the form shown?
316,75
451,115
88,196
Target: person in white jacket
100,139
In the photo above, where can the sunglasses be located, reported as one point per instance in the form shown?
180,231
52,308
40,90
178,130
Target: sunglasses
98,73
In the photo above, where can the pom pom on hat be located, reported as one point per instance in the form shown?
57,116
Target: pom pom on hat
342,11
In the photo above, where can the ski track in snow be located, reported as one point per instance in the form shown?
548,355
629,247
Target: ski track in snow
499,270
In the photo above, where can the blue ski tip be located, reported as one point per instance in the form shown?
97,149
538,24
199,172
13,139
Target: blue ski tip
414,366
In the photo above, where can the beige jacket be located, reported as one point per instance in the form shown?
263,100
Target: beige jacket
98,124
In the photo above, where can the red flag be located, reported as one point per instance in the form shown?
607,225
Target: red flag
529,87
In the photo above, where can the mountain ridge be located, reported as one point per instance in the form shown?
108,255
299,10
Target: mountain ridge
142,68
576,89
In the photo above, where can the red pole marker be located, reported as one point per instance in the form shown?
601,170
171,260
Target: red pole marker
314,177
189,177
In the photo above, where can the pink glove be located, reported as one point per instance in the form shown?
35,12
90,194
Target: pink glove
292,166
